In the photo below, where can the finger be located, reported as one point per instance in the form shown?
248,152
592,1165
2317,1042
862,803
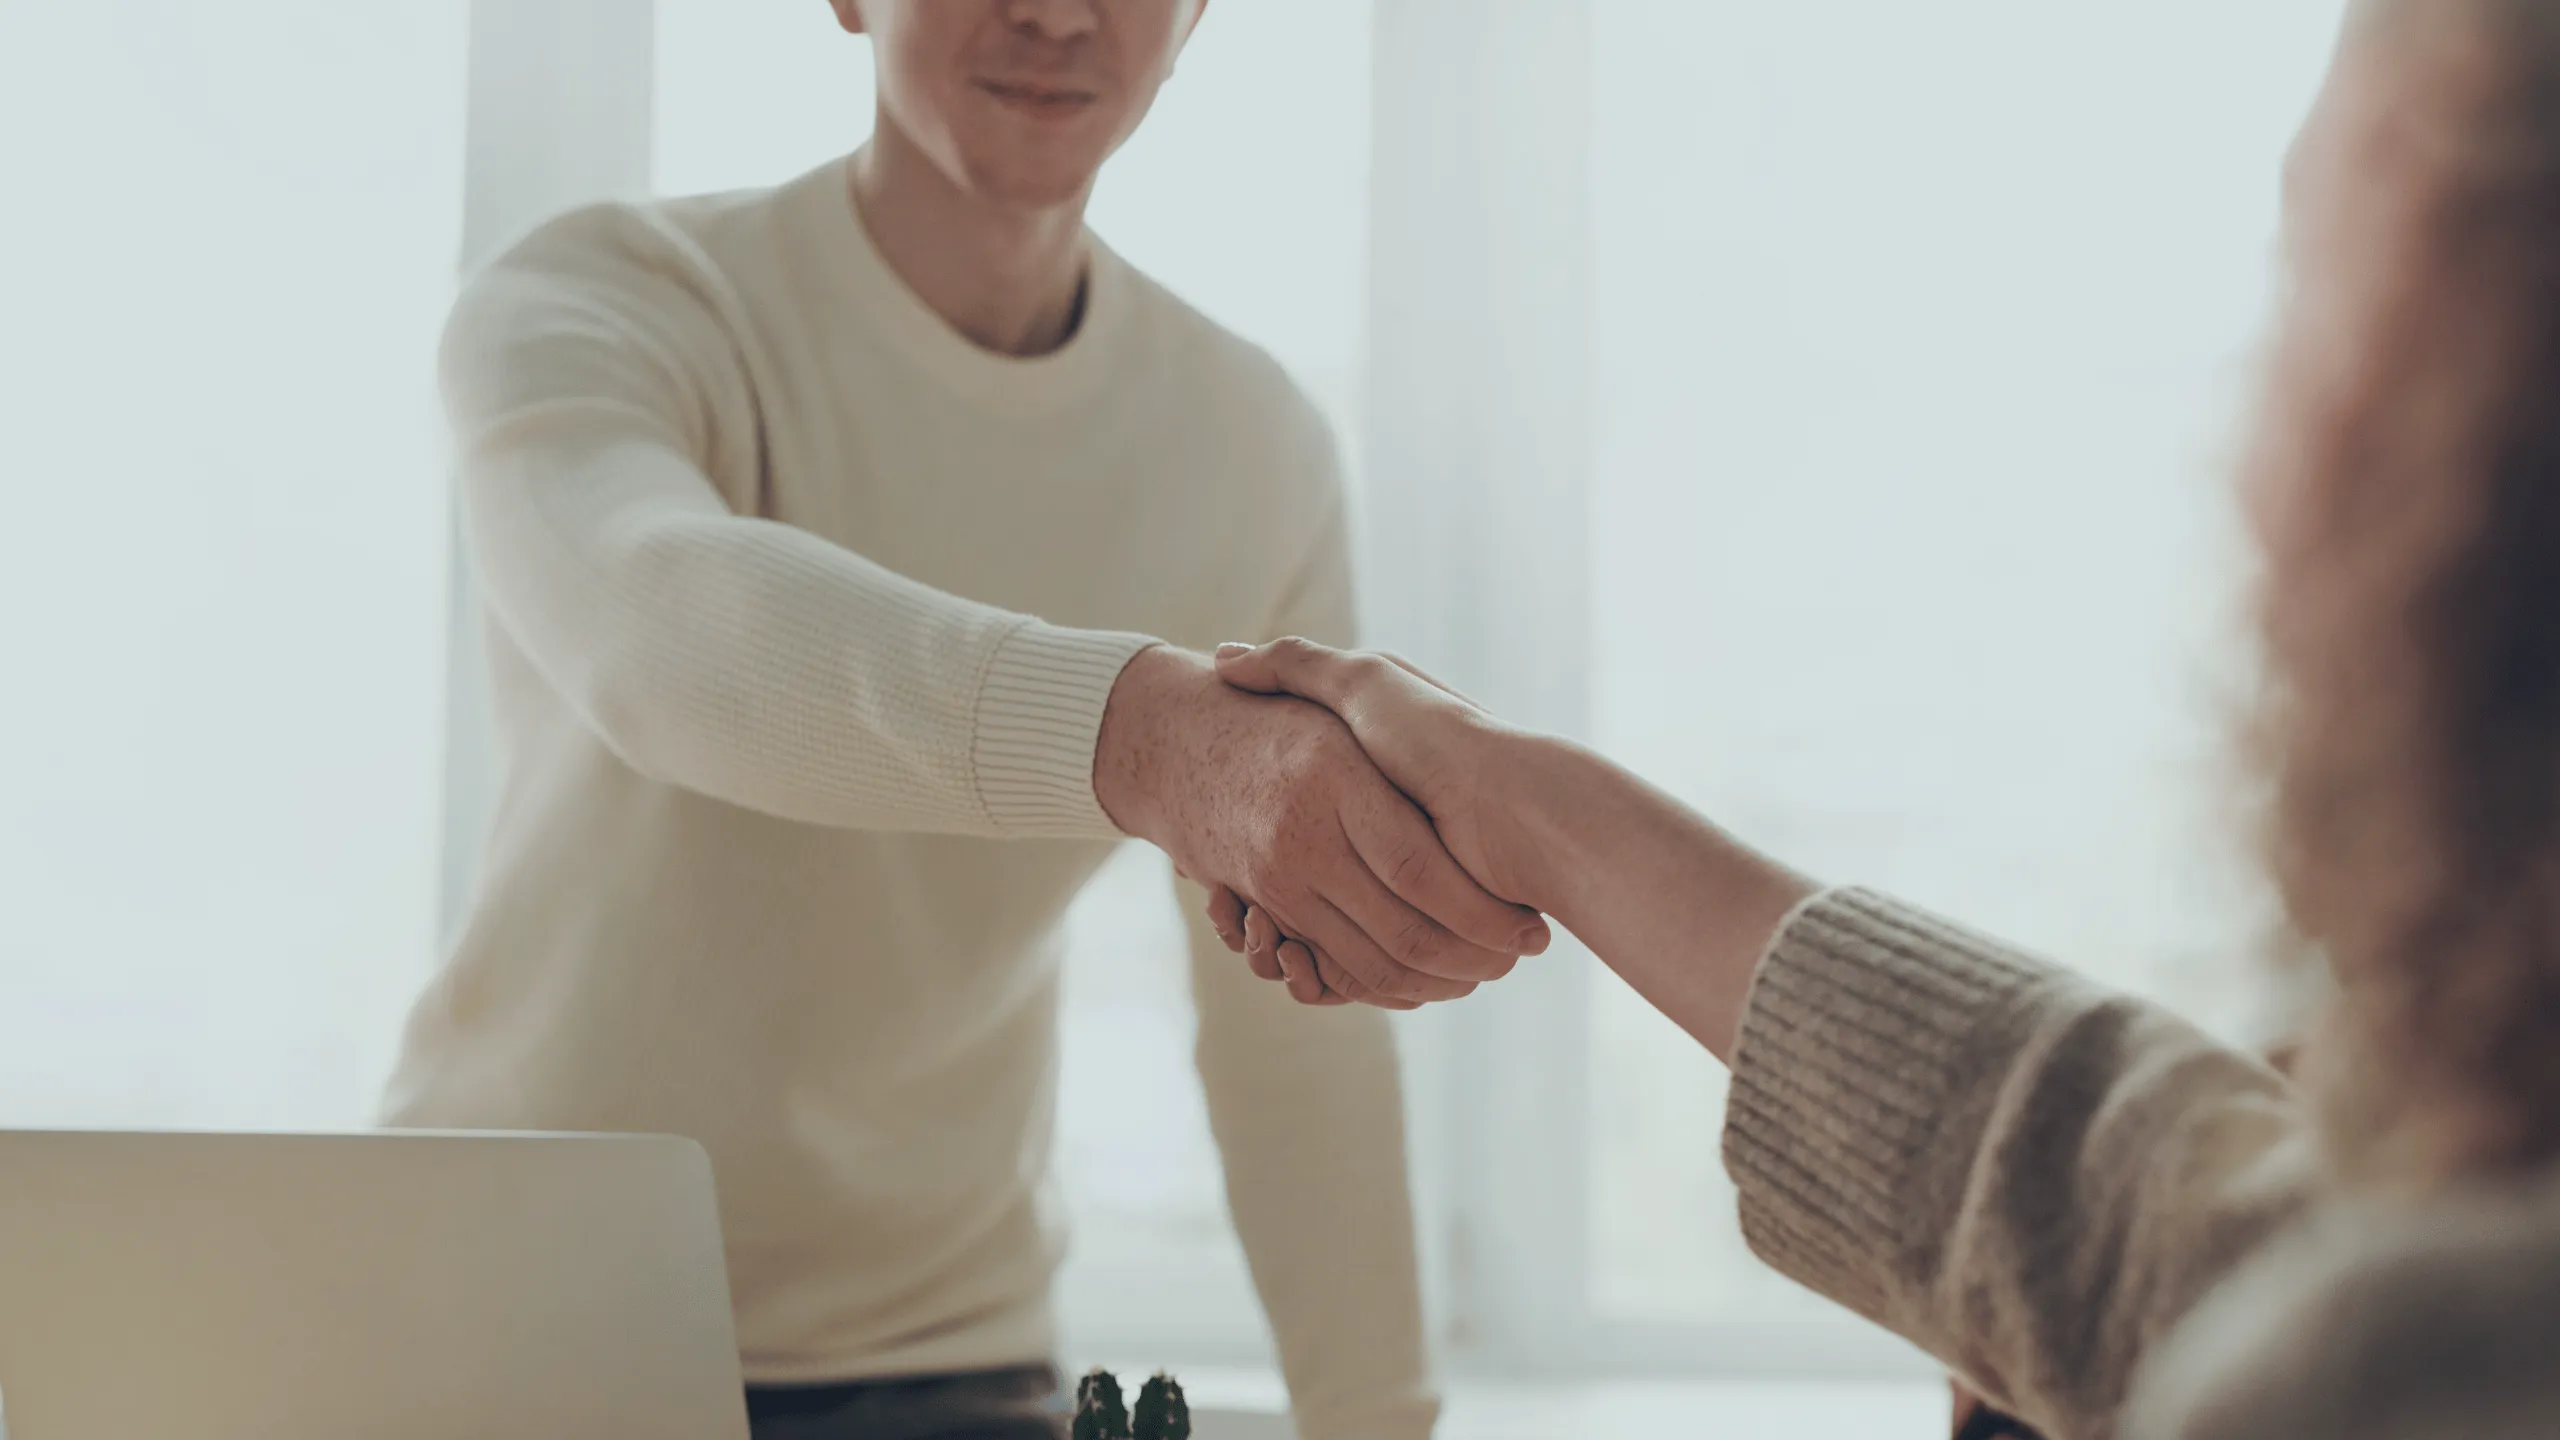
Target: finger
1289,667
1413,939
1396,841
1427,678
1306,982
1265,965
1261,942
1305,966
1299,969
1329,932
1267,962
1347,989
1226,916
1338,984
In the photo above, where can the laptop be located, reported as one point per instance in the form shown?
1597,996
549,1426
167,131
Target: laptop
399,1286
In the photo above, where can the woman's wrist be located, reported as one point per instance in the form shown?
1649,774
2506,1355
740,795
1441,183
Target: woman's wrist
1680,909
1568,812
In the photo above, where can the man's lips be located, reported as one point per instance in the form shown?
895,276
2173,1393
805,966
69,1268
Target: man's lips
1038,99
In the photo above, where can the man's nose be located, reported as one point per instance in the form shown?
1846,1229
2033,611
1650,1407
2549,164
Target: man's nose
1054,19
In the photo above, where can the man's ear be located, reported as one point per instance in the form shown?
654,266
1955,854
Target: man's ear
849,15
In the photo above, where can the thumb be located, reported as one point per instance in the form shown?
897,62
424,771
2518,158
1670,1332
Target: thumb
1286,667
1248,667
1434,681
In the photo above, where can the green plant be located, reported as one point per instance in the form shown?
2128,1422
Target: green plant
1100,1415
1162,1413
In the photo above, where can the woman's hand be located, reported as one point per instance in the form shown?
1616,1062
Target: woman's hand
1431,742
1680,909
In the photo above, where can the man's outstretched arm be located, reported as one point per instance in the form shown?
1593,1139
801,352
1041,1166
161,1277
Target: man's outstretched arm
759,664
593,392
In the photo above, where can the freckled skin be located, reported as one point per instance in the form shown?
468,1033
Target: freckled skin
1273,798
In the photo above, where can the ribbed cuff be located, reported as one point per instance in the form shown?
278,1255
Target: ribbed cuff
1871,1029
1039,714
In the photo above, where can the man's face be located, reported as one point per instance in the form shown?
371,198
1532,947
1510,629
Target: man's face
1020,101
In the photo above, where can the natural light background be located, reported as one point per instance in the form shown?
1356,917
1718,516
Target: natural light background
232,238
1922,331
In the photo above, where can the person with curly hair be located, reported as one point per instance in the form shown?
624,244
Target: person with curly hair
2105,1222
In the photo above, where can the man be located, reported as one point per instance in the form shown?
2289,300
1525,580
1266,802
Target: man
789,823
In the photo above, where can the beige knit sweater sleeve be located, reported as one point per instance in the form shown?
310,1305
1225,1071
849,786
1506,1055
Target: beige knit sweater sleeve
590,381
2030,1177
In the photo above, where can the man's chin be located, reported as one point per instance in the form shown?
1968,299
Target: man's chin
1035,186
1037,195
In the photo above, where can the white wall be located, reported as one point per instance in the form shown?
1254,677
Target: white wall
230,240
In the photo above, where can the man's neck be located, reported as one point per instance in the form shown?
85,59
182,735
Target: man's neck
1011,280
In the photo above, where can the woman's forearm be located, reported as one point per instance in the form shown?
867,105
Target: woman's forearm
1679,909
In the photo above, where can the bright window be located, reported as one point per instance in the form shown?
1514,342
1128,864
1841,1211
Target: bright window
1921,335
222,581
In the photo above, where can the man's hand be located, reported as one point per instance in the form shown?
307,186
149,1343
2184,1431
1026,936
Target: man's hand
1433,743
1272,798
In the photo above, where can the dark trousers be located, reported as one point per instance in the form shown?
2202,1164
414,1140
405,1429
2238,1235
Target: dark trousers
1023,1403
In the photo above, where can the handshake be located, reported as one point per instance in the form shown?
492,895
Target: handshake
1355,821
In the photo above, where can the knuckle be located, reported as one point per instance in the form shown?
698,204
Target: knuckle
1269,838
1408,866
1417,941
1410,986
1281,876
1339,980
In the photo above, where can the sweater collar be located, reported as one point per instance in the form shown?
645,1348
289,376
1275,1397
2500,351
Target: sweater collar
821,217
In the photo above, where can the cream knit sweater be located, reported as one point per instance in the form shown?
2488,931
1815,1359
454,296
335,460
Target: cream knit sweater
803,616
2108,1223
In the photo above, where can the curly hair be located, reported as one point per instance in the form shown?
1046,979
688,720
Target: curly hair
2406,473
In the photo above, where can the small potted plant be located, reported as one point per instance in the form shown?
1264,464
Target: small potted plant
1161,1414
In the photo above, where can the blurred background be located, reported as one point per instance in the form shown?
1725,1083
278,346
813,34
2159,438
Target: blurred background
1823,407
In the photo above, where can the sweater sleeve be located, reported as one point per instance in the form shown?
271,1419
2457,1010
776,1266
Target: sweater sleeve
2030,1177
588,378
2378,1321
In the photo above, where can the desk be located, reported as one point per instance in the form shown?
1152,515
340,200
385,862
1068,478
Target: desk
1246,1405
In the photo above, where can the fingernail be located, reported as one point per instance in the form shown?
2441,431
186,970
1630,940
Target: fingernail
1232,649
1533,939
